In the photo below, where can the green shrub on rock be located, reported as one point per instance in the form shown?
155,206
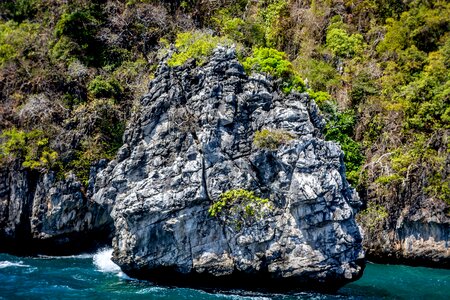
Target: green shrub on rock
340,129
31,147
101,87
240,208
271,139
270,61
276,64
195,45
373,216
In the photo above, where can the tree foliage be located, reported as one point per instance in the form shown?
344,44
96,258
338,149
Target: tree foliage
274,63
340,129
342,44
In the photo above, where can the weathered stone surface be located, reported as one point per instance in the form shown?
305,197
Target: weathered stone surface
40,214
417,233
191,141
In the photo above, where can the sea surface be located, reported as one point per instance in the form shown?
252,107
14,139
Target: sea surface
95,276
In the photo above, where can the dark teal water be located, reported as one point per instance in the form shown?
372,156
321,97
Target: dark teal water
96,277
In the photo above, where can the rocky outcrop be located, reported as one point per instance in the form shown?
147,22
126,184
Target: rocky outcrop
41,214
191,141
416,231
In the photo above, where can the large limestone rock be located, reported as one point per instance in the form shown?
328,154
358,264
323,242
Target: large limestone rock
192,140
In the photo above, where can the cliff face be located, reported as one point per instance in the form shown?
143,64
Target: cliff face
416,231
40,214
191,141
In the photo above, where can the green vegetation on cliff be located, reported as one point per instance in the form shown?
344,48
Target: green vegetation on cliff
271,139
379,71
240,208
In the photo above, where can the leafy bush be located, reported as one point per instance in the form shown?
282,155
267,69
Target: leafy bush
80,26
230,26
270,61
422,26
428,94
406,161
19,10
320,97
389,179
340,129
373,216
195,45
65,49
342,44
91,151
271,12
104,138
14,144
363,86
240,208
101,87
322,75
271,139
32,147
16,39
439,186
274,63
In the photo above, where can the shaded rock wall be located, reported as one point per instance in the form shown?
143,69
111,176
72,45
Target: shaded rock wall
41,214
416,232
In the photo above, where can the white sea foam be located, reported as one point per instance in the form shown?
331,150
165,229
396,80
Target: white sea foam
79,256
103,262
122,275
5,264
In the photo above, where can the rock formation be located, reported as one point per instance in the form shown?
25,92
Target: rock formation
41,214
191,141
416,232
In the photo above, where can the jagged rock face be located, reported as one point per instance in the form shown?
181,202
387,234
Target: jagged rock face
40,214
417,231
193,140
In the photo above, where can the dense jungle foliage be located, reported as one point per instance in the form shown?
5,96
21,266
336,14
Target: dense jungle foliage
71,73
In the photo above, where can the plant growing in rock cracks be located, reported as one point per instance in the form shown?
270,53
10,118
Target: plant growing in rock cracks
373,216
271,139
240,208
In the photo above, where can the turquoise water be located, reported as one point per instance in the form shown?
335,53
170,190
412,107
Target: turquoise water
96,277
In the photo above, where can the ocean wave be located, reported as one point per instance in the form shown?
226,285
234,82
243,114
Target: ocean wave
102,260
79,256
124,276
6,264
152,290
